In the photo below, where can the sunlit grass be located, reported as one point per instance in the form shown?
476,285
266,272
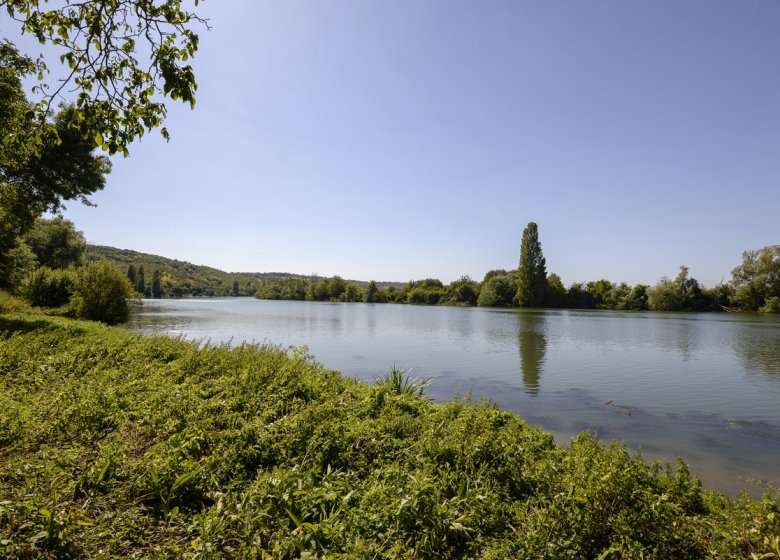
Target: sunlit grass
119,445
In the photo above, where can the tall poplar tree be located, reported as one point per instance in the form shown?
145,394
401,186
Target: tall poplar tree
140,280
131,275
532,278
156,288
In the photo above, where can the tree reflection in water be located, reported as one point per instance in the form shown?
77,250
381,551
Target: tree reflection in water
531,330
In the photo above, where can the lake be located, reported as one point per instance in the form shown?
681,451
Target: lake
704,387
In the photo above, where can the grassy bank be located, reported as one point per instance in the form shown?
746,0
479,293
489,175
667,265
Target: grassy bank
114,444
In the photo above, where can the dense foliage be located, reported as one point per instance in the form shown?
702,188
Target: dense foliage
56,243
101,293
46,287
532,272
757,279
36,174
121,57
118,445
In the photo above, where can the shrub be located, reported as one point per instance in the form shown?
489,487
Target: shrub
101,294
45,287
11,304
771,305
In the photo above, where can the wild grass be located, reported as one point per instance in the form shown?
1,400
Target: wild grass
118,445
400,382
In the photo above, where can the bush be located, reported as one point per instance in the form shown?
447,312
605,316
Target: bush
101,294
45,287
771,305
11,304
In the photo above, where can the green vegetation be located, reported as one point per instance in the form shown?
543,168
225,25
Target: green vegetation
399,382
101,294
757,279
177,278
63,285
119,445
755,287
56,243
122,57
532,273
11,304
37,173
756,284
46,287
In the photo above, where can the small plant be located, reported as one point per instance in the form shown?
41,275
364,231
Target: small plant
168,495
400,382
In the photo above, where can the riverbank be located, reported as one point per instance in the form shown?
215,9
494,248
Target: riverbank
114,444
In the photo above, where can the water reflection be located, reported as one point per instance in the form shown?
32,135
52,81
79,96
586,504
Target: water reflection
758,346
531,332
685,336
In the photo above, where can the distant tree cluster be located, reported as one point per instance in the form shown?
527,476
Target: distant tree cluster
50,257
755,287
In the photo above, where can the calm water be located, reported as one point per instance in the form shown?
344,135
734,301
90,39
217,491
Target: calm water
702,386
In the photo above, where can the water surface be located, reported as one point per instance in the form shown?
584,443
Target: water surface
705,387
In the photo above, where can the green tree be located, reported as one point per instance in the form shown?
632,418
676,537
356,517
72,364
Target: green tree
56,243
101,294
636,300
37,175
317,291
681,294
352,293
498,290
156,287
121,57
556,292
372,293
131,275
235,291
428,291
140,280
16,263
532,279
496,272
601,291
578,297
335,287
757,279
463,291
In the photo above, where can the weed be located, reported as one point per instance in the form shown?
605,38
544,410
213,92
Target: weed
400,382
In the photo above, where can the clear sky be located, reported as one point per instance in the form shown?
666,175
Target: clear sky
403,139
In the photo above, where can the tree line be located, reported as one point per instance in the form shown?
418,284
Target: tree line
755,286
178,278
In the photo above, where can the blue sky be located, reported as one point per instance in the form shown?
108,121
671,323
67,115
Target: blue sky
408,139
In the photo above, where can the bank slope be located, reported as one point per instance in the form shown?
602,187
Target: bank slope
114,444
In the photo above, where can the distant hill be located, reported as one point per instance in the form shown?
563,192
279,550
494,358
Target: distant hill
182,278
